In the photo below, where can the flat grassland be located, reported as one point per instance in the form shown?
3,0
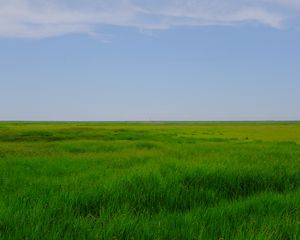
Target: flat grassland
225,180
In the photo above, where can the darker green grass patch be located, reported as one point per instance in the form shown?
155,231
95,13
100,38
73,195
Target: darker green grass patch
32,136
147,145
183,191
232,185
88,147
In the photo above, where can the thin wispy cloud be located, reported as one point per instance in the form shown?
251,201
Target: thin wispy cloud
48,18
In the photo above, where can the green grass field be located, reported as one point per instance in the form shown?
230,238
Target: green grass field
150,181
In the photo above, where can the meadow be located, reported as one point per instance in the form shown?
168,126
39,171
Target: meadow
214,180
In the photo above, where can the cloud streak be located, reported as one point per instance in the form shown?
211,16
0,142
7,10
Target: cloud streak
48,18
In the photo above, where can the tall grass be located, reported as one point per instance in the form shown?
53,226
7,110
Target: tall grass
150,181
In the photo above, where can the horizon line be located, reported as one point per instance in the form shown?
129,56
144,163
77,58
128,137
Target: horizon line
140,121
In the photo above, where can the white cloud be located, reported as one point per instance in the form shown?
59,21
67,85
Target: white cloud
46,18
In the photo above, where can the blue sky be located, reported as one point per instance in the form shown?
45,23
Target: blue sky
149,60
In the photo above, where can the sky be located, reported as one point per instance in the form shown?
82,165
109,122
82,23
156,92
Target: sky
149,60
